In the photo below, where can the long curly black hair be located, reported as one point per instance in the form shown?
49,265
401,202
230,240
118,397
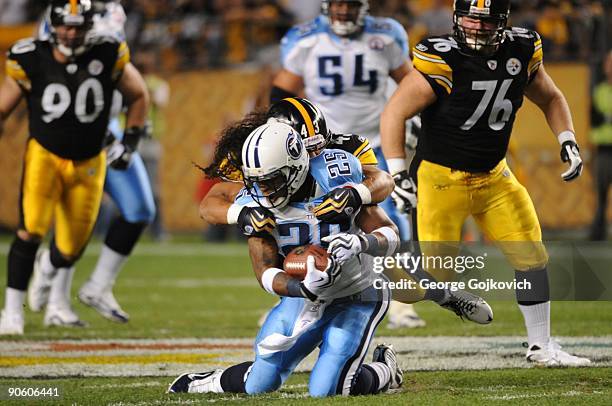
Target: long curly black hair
227,160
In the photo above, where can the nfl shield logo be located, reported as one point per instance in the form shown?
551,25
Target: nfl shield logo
492,64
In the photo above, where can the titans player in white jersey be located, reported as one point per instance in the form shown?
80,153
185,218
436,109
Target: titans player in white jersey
342,61
337,309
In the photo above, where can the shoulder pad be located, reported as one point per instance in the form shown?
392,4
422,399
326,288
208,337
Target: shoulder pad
23,46
522,35
304,31
444,47
389,28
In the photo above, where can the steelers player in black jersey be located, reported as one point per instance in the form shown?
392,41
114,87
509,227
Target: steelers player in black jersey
468,87
67,82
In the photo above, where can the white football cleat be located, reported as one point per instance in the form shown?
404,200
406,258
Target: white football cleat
103,302
62,316
205,382
11,323
551,355
386,354
467,305
40,285
403,315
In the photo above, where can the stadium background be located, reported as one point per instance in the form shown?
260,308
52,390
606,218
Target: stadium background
218,58
194,306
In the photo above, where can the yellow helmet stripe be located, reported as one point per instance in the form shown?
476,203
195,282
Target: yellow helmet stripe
481,3
73,7
305,116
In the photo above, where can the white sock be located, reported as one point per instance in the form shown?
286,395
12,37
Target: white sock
537,321
109,264
60,287
46,266
14,300
383,372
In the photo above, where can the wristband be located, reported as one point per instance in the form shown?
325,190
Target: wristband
294,288
566,136
233,213
364,193
392,238
396,165
267,279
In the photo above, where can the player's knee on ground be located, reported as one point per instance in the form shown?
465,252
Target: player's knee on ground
264,377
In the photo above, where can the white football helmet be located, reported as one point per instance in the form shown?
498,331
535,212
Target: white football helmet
346,28
274,164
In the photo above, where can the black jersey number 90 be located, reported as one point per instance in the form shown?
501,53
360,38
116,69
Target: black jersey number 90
56,99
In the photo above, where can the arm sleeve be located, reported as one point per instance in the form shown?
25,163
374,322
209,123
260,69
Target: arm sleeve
434,68
537,57
123,58
293,56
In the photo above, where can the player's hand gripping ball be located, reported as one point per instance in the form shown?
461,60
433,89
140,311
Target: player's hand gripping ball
295,262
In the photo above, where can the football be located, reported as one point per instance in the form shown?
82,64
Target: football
295,262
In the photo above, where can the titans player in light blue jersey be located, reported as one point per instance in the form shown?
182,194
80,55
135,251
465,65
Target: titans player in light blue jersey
128,185
336,309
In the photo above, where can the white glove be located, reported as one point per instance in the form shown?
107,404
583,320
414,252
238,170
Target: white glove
317,281
343,246
570,153
117,155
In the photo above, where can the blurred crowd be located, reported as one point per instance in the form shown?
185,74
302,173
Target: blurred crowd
212,33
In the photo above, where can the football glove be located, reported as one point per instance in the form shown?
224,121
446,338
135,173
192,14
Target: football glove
338,206
413,132
315,282
119,154
342,247
571,153
404,195
256,221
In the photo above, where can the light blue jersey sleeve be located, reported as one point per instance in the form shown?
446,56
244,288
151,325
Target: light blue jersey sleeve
292,54
335,168
397,53
244,198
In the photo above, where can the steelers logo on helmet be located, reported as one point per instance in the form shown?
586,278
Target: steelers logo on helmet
346,17
294,145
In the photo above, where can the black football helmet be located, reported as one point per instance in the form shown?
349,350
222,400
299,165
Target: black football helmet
483,41
305,118
72,13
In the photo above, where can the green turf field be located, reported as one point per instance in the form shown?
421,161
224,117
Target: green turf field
197,291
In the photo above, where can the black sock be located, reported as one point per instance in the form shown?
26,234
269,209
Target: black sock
21,263
122,235
57,259
233,379
371,379
539,291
